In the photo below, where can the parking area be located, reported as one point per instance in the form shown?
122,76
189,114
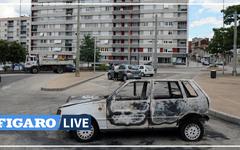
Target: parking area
23,96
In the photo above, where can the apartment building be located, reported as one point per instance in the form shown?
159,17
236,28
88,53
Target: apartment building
199,47
16,29
124,32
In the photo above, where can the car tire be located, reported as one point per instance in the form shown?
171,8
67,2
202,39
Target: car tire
87,135
191,130
34,70
109,76
151,75
125,78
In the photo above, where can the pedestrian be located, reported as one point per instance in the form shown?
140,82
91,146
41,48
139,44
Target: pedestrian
115,72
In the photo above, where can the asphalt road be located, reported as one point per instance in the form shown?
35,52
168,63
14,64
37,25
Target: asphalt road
8,79
22,95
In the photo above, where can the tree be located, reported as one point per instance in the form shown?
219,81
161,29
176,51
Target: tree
16,53
222,41
3,51
228,14
87,50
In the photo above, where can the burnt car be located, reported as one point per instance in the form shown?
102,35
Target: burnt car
144,104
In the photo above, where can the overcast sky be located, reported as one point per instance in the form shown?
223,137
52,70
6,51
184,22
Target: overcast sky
204,15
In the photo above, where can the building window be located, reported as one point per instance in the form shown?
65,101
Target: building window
162,60
149,50
168,24
146,58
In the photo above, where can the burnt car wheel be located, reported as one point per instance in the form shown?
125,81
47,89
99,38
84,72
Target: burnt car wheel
109,76
86,135
191,130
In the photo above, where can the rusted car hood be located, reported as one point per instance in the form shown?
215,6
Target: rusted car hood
74,100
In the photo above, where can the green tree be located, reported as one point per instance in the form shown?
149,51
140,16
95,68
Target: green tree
228,14
3,51
17,52
222,40
87,50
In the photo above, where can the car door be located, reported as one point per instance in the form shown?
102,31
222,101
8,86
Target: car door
167,102
129,106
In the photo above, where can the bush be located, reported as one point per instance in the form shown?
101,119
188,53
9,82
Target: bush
103,67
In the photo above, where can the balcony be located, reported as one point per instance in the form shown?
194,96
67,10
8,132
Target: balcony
68,44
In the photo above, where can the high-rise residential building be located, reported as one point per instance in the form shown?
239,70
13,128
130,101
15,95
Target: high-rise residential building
16,29
124,33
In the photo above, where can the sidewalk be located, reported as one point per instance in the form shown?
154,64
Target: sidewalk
224,92
68,80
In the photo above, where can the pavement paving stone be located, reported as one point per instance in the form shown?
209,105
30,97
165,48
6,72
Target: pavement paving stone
69,79
224,92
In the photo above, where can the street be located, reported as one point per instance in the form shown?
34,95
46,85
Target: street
21,94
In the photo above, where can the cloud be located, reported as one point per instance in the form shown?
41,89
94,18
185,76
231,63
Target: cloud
213,5
213,21
11,8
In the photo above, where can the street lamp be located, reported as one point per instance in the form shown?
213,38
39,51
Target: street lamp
155,46
95,49
223,40
234,72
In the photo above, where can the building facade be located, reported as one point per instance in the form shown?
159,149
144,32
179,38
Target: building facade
124,33
16,29
199,48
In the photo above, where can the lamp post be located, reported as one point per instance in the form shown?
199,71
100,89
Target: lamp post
223,40
234,72
95,49
77,73
155,46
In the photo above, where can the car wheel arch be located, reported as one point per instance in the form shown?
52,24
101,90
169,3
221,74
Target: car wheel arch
195,116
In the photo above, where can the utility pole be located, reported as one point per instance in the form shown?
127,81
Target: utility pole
234,72
95,49
77,73
155,46
223,40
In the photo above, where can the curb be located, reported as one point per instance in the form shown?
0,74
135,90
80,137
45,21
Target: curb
70,86
224,116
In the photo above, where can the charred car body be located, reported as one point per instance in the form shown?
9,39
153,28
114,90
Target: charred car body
144,104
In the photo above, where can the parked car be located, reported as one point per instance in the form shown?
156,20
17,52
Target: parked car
219,63
70,68
144,104
125,72
1,67
146,70
18,67
205,62
113,72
